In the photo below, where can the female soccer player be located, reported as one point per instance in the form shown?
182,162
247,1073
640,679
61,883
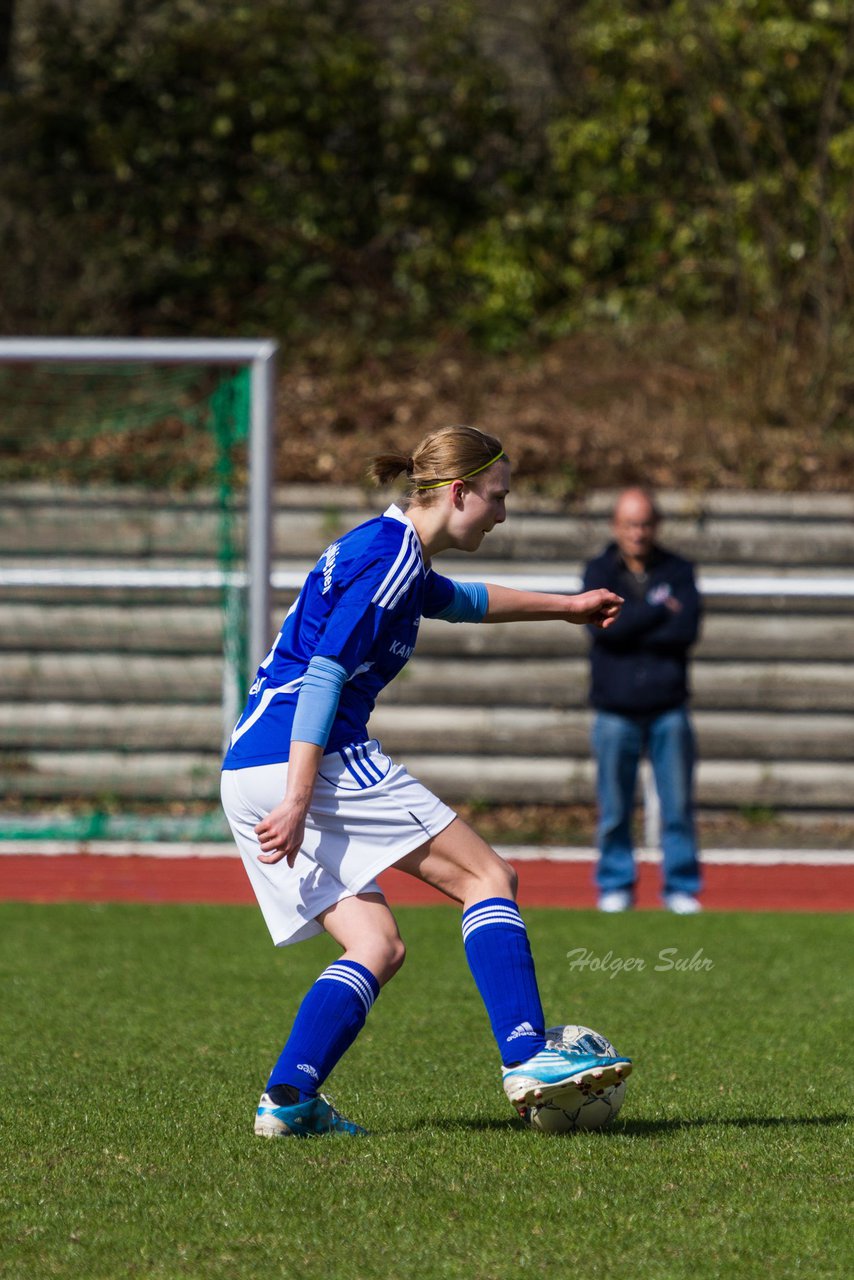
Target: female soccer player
318,810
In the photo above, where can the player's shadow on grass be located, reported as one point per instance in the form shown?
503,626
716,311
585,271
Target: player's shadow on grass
651,1128
636,1128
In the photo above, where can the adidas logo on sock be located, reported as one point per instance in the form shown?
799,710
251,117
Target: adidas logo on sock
308,1069
523,1029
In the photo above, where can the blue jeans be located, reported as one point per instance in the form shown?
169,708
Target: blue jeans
619,742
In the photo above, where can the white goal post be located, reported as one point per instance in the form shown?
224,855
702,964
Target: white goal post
260,357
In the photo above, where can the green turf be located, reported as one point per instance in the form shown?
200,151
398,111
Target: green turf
135,1041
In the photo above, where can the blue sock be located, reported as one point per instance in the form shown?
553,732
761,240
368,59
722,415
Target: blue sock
499,956
330,1017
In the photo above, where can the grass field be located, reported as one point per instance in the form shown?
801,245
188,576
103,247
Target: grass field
135,1041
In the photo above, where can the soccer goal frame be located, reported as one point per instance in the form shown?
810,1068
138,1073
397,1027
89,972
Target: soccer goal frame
259,355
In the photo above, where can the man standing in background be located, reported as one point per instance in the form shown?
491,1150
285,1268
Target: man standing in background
639,692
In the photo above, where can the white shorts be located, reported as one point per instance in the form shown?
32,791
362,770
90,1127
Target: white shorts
366,814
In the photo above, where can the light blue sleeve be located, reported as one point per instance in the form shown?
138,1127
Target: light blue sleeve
317,703
469,603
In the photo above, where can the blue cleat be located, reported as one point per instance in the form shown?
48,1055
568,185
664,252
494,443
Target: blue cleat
560,1073
302,1119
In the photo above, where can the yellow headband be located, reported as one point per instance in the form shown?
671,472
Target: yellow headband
440,484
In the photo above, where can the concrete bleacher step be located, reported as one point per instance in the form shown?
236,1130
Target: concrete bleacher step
484,730
193,776
542,682
759,529
165,628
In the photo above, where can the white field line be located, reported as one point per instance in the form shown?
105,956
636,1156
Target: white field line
514,853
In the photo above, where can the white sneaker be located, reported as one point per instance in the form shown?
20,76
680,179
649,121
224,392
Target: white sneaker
562,1072
302,1119
616,900
682,904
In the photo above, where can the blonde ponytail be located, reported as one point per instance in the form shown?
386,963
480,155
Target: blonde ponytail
452,453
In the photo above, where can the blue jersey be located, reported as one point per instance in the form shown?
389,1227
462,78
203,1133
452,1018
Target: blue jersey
360,606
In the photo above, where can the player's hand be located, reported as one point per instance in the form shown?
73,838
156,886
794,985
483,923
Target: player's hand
597,608
280,834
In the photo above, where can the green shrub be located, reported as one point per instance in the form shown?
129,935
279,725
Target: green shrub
308,166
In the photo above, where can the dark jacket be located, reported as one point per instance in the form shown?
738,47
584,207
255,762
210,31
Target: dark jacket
639,665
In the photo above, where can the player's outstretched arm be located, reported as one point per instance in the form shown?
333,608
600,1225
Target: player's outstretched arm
598,607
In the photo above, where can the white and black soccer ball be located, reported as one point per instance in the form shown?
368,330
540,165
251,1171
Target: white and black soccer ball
599,1107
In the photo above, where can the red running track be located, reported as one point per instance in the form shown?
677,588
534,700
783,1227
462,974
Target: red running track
95,878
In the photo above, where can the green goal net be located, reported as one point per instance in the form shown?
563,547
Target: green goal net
125,577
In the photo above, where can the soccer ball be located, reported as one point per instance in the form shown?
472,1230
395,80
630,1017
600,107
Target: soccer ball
596,1109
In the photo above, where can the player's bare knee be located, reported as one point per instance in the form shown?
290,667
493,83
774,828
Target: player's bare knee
398,955
391,959
497,878
506,878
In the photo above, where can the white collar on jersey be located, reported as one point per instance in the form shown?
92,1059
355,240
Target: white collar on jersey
394,512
